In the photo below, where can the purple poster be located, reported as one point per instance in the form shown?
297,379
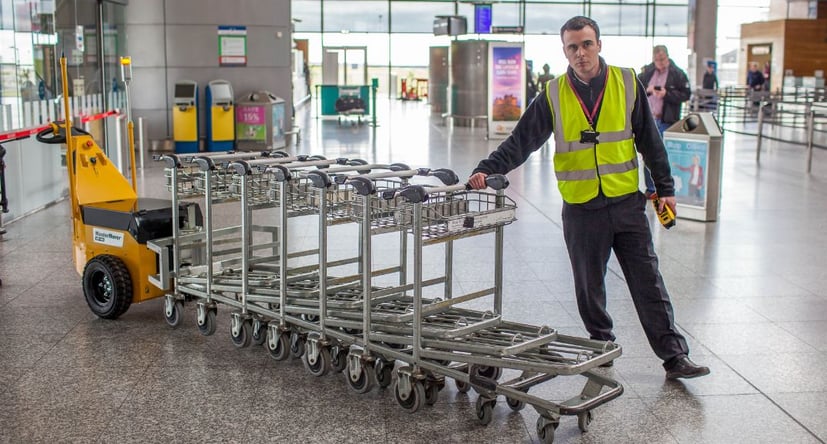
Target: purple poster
507,87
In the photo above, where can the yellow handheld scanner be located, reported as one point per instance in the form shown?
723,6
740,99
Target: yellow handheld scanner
666,217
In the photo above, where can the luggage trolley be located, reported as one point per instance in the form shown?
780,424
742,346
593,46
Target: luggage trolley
540,353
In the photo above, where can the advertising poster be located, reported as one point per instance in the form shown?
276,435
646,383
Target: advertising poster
250,123
689,160
506,88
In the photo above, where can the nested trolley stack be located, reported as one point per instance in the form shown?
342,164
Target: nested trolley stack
334,315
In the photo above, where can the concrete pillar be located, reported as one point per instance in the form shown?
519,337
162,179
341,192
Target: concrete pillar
701,38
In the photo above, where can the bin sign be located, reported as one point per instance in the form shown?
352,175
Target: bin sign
250,123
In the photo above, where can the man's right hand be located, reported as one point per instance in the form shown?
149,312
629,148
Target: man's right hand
477,181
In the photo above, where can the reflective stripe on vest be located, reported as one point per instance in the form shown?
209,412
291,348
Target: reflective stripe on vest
582,169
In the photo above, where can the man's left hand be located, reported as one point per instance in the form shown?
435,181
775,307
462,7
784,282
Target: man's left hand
670,201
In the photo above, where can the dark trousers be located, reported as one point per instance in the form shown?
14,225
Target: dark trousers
591,235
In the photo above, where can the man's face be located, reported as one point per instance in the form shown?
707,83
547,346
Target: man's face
582,49
661,61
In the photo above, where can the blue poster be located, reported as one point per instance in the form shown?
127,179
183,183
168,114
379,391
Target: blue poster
688,159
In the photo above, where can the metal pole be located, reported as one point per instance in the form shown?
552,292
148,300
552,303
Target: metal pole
760,133
141,141
810,130
119,143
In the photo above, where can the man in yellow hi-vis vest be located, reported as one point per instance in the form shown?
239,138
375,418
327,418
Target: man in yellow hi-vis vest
596,165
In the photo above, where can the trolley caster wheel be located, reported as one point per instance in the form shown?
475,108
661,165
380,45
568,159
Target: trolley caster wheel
412,400
384,373
515,404
431,393
173,313
545,430
296,345
338,360
278,345
360,381
241,335
492,373
462,387
259,332
320,365
207,327
485,409
584,419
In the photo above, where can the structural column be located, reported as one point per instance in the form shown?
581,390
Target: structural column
701,38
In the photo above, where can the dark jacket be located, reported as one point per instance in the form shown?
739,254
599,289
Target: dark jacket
677,90
536,126
755,80
710,81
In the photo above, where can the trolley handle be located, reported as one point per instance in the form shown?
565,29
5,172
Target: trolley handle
319,178
497,181
362,185
171,160
419,193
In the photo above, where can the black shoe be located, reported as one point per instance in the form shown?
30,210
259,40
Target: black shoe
685,368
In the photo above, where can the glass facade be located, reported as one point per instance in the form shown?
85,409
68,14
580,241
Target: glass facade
33,36
402,30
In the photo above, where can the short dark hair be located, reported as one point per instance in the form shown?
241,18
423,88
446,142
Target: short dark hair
579,22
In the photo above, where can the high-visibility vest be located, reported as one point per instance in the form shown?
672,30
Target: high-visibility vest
582,169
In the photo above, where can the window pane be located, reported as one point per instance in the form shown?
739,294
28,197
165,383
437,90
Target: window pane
419,16
307,15
355,16
502,14
620,20
549,18
671,21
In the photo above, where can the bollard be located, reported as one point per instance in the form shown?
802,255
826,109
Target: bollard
760,132
810,130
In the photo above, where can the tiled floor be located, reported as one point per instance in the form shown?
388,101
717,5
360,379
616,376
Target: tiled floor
749,292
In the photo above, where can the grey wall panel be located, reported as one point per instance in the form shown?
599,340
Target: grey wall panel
178,39
223,12
266,48
197,46
146,12
155,123
148,88
194,46
146,45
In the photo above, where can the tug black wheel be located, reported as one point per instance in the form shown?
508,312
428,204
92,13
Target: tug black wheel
107,286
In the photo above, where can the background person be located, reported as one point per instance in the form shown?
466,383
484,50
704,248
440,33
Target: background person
598,130
667,87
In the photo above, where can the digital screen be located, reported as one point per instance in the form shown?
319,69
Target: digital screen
221,92
458,25
482,18
441,26
185,90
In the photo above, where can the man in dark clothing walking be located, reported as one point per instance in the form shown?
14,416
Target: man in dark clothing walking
667,87
600,121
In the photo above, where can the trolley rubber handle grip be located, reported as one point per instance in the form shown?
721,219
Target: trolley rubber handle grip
362,185
319,178
280,173
398,167
446,176
413,193
241,167
204,163
171,160
497,181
